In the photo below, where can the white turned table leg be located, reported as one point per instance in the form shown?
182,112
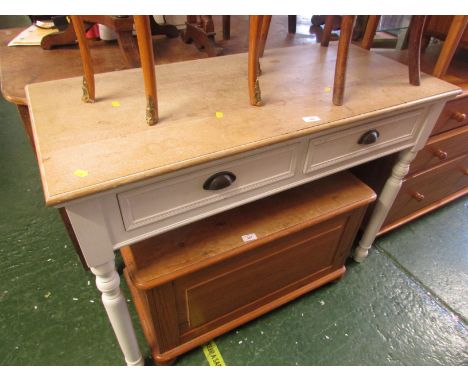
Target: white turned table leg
108,281
384,203
89,224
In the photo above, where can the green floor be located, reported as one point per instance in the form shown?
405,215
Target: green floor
405,305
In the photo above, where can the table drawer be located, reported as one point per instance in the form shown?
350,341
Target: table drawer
454,115
184,193
441,148
351,144
422,189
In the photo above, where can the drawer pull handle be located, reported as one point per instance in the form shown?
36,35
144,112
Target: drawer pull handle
418,196
458,116
442,155
369,137
219,181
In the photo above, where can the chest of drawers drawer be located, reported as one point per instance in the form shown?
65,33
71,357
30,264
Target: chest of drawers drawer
454,115
441,148
362,141
428,187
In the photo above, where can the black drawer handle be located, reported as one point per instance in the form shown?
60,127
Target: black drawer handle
369,137
219,181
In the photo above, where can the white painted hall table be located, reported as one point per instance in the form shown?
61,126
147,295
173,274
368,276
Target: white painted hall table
122,181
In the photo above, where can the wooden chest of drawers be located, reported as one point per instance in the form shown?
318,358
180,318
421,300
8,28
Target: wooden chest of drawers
441,149
427,189
454,115
201,280
438,174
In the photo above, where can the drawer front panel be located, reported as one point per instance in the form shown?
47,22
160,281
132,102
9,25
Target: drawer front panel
184,193
428,187
252,278
441,148
343,146
455,114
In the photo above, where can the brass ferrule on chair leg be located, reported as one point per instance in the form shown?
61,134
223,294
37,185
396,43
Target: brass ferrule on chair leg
151,117
85,97
257,94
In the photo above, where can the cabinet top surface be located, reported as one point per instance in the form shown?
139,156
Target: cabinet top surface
88,148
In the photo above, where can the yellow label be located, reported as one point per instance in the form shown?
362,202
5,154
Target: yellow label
81,173
328,89
213,355
219,114
115,103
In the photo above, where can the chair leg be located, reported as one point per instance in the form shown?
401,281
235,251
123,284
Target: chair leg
347,24
369,33
414,49
128,48
292,21
88,78
254,49
455,33
426,38
226,27
145,46
264,33
327,30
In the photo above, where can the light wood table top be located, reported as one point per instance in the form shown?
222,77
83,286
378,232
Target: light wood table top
116,147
